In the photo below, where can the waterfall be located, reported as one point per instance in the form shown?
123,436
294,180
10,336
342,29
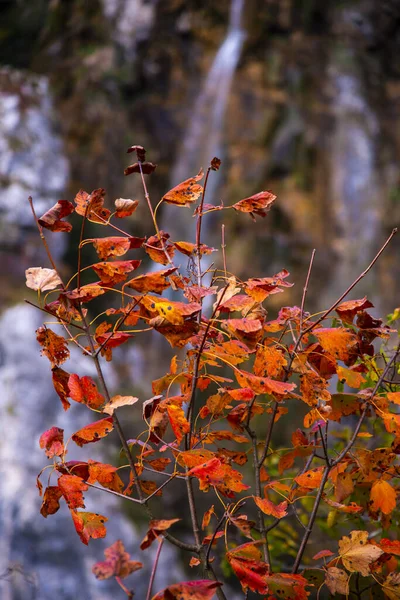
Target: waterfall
204,136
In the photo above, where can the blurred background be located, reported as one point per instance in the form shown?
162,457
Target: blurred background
300,97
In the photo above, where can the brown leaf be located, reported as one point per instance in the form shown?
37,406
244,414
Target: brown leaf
147,168
258,204
91,205
54,346
125,207
52,219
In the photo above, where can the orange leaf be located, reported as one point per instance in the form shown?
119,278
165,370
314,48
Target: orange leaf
214,473
336,341
72,488
269,508
157,246
155,282
351,508
322,554
394,397
85,293
125,207
89,525
112,273
186,192
173,312
106,475
260,288
188,249
54,346
203,589
207,517
117,563
310,479
93,432
351,377
383,497
115,246
53,441
91,205
269,362
258,204
156,527
263,385
288,587
51,498
179,423
52,218
84,390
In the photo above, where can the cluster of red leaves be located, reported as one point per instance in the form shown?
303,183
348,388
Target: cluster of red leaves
240,370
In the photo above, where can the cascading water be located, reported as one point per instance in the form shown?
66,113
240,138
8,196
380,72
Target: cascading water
204,137
353,186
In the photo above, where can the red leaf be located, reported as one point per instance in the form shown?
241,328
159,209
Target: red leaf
260,288
72,488
288,587
117,563
246,562
52,218
89,525
203,589
93,432
84,390
60,383
53,441
347,310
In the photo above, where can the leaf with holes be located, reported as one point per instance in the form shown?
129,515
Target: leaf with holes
89,525
357,553
186,192
93,432
55,347
91,206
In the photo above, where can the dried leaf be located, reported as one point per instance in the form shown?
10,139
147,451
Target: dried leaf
156,528
115,246
125,207
337,581
55,347
117,402
91,206
111,273
52,219
269,508
42,279
51,501
155,282
72,488
106,475
357,553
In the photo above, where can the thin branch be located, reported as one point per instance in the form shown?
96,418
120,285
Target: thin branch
154,569
198,229
223,246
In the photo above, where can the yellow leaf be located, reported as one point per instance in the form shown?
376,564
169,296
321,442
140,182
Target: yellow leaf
357,553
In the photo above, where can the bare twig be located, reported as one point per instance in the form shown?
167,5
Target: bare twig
154,569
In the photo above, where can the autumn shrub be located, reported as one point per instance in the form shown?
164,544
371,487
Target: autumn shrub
235,379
